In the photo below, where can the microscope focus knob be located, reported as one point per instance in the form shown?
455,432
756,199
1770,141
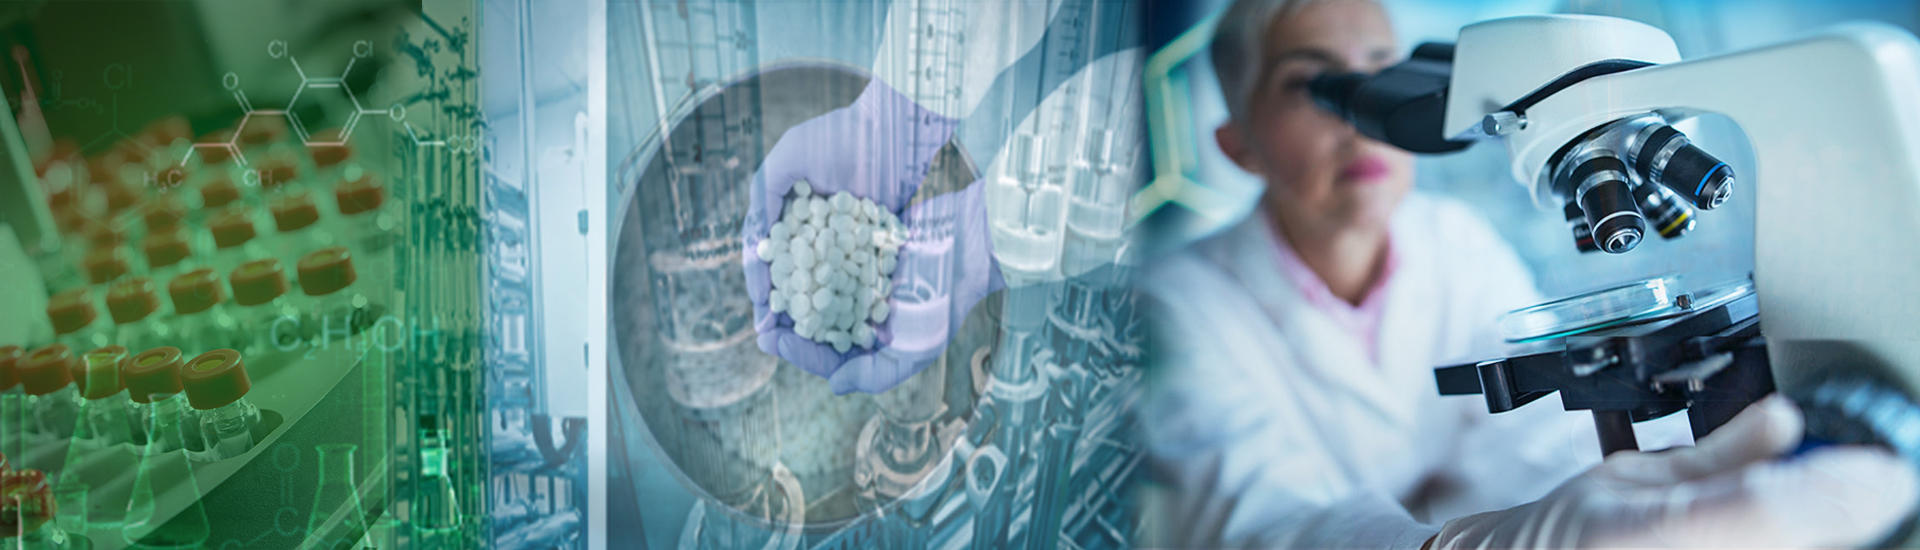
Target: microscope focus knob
1605,193
1671,160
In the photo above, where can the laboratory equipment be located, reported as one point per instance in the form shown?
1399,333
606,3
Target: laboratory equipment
1583,101
200,317
216,384
337,519
267,315
135,306
324,277
100,447
365,221
233,238
436,508
297,219
12,421
47,375
169,253
103,405
162,461
153,376
76,322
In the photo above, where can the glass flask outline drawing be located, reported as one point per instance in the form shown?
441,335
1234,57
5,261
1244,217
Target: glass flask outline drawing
167,461
337,497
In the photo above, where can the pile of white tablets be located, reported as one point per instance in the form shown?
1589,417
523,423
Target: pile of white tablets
832,261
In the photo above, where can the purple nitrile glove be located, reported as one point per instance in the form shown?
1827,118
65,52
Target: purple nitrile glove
879,148
945,268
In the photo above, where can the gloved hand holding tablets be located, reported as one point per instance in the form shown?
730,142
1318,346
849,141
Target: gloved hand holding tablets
829,284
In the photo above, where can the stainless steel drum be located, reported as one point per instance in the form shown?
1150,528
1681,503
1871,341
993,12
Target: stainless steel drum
767,442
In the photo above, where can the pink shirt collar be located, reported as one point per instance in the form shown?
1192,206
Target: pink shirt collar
1363,320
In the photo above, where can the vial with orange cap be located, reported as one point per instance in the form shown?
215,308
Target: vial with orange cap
76,321
234,241
104,265
200,318
103,419
152,377
337,311
53,403
366,222
216,383
218,192
265,311
97,451
135,306
169,253
279,173
297,219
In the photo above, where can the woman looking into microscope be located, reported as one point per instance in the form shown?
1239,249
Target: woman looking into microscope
1295,404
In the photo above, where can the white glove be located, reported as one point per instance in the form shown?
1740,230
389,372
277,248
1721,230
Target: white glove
1729,491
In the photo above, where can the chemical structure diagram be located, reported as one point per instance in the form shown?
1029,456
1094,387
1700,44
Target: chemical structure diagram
310,84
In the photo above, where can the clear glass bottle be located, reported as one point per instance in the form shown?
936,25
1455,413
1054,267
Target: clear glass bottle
216,384
297,218
168,254
135,306
267,315
103,406
436,509
200,317
76,321
46,374
104,265
152,376
325,277
159,464
337,519
233,239
366,223
99,449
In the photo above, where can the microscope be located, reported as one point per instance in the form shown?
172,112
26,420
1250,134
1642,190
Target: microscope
1585,107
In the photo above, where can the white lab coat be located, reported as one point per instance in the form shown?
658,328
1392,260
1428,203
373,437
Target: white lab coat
1269,425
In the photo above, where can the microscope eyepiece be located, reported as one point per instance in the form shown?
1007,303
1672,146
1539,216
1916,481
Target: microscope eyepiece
1671,160
1604,192
1404,105
1335,92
